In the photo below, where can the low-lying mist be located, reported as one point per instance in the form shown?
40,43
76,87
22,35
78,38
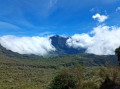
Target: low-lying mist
27,45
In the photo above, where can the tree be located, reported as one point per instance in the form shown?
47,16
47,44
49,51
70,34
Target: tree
117,53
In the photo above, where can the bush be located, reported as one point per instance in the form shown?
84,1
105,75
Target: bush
63,81
109,84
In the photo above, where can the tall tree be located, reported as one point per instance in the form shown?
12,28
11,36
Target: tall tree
117,53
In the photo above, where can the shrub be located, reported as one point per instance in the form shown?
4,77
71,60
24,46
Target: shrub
109,84
63,81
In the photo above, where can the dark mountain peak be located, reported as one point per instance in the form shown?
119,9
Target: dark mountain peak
59,42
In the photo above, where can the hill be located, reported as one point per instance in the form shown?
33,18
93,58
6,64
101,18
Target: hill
81,58
36,72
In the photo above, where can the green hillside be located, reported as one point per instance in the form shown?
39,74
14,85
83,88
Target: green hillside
35,72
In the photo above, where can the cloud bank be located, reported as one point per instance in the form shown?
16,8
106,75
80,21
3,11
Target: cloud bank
27,45
103,40
100,18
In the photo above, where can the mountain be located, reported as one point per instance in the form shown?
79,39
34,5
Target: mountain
59,42
10,54
58,61
36,72
67,58
64,56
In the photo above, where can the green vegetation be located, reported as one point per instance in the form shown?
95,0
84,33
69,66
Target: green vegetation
63,80
117,52
32,72
85,71
88,78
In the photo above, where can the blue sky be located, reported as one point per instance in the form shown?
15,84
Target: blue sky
63,17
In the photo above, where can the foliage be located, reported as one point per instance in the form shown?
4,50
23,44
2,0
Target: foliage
92,77
63,81
109,84
117,52
35,72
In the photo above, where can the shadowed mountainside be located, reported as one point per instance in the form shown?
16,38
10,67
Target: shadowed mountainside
59,43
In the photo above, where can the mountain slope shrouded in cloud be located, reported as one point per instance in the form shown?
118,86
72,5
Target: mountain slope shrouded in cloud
59,42
27,45
39,45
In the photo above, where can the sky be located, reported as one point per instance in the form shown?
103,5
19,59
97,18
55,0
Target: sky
26,25
62,17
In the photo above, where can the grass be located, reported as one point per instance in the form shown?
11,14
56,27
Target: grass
24,77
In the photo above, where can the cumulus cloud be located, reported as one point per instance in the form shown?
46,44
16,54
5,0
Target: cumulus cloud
79,40
27,45
100,18
103,40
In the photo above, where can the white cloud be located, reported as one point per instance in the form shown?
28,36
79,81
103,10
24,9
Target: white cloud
27,45
100,18
118,9
79,40
104,40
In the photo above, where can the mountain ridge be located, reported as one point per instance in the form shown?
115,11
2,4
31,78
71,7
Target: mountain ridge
59,42
63,55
